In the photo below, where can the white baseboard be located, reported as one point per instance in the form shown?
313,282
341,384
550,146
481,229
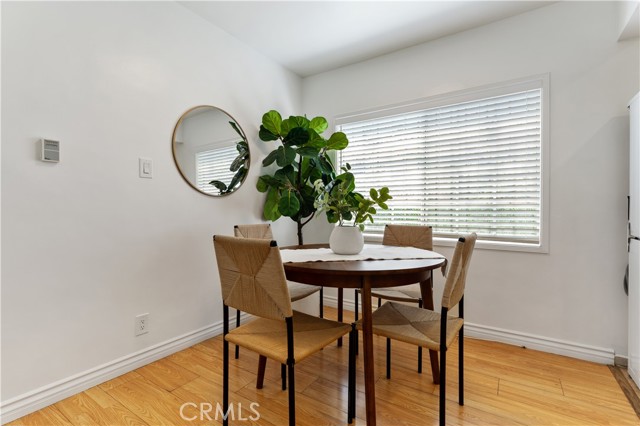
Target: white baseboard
541,343
37,399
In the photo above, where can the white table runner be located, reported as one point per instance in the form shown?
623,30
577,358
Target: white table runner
369,252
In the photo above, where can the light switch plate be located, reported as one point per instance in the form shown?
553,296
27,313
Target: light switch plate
145,167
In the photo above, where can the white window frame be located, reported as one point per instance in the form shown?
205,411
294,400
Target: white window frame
538,81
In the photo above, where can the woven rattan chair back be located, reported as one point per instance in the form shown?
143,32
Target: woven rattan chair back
259,230
252,277
408,236
457,275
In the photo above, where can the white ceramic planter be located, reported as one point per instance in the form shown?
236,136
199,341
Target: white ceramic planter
346,240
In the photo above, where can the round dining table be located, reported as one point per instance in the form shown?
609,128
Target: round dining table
367,275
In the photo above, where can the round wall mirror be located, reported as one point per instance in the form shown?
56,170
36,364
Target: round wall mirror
210,150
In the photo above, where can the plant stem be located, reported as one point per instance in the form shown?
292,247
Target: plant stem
300,185
300,225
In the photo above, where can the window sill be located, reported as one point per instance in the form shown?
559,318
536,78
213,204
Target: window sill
480,244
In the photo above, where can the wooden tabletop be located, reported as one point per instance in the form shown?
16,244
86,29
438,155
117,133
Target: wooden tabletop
349,273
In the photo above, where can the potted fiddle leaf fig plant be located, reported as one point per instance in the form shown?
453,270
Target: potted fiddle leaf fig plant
349,209
302,157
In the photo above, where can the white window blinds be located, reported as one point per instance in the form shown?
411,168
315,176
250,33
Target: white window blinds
214,165
470,166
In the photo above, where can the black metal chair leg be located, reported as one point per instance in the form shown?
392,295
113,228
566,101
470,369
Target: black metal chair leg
420,347
283,375
351,404
225,367
388,358
443,366
461,354
237,325
321,302
461,367
225,382
357,303
292,395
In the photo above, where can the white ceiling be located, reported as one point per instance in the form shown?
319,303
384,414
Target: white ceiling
309,37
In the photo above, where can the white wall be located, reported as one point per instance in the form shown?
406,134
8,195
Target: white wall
87,245
574,293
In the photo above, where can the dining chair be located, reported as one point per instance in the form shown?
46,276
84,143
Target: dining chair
252,280
404,236
427,328
296,290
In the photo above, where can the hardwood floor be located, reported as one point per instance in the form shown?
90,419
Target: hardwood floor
504,385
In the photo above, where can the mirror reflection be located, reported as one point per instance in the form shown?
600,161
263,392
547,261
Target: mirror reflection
210,150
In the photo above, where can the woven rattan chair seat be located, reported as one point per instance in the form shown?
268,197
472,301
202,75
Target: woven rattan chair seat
410,324
404,293
299,291
269,337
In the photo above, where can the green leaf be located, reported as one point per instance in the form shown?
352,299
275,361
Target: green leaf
266,135
262,185
373,194
325,165
242,146
298,121
315,138
293,122
235,127
270,211
338,141
311,174
266,181
237,179
296,136
286,176
289,204
316,141
285,155
239,161
332,217
319,124
272,121
308,151
347,182
269,159
307,198
219,184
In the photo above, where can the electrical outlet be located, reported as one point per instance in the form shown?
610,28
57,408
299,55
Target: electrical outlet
142,324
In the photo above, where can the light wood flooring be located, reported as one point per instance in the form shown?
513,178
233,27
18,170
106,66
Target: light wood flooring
504,385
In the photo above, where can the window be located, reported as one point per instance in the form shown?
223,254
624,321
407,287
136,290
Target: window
470,161
214,164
